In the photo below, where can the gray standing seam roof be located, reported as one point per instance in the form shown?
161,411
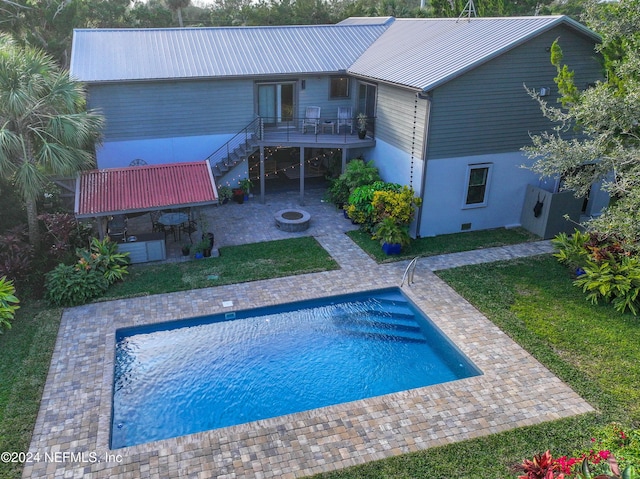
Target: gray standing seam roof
105,55
415,53
425,53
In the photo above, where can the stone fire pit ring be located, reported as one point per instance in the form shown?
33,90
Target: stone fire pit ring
292,220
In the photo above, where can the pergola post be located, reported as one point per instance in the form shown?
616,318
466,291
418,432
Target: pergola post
302,175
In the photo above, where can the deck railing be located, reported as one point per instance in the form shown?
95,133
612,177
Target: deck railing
251,133
290,128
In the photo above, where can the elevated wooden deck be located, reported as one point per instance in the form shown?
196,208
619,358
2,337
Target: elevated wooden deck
325,138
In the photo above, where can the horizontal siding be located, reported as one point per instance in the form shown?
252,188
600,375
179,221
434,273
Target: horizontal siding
400,119
316,93
173,109
488,110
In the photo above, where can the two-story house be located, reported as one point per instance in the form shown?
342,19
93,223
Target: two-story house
445,100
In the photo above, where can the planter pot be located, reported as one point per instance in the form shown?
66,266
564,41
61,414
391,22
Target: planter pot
208,236
238,196
198,255
362,134
206,253
185,251
246,197
391,248
225,201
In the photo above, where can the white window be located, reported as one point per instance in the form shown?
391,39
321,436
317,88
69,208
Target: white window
477,190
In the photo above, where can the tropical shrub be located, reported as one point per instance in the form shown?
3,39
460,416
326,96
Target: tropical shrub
72,285
571,250
16,254
614,454
8,303
357,173
390,232
361,208
96,269
612,280
397,204
606,269
64,234
103,256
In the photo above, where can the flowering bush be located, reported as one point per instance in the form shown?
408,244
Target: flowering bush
615,454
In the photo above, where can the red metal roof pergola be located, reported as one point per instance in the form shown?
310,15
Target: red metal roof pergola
144,188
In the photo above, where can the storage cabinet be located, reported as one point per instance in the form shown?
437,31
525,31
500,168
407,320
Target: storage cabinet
147,247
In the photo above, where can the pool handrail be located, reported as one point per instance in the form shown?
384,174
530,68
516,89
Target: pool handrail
409,272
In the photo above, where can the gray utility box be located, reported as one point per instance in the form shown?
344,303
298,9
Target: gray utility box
544,213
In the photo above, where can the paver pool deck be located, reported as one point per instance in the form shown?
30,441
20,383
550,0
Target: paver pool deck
71,435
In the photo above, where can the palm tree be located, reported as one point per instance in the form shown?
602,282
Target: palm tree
177,6
44,126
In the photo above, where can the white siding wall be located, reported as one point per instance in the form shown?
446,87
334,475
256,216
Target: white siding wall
445,190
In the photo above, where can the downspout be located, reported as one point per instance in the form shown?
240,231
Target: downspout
424,95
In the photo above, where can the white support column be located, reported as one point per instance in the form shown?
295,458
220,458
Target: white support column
262,178
302,175
344,160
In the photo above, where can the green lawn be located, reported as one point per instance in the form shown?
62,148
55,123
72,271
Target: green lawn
452,243
236,264
592,348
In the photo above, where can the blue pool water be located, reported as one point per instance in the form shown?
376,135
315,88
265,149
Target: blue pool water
204,373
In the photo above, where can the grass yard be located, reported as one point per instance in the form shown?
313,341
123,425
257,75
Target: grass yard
236,264
592,348
452,243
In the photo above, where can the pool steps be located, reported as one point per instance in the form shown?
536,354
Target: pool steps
390,319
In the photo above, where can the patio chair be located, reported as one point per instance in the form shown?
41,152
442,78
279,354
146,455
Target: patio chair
189,228
345,117
117,227
311,118
158,227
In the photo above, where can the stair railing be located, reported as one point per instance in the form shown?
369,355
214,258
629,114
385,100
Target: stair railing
409,272
253,130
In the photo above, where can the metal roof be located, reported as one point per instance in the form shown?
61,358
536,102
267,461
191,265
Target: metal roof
144,188
424,53
367,21
176,53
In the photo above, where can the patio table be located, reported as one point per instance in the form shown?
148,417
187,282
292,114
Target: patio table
174,220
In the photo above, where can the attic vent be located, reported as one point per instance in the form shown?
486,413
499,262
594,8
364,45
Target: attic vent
465,226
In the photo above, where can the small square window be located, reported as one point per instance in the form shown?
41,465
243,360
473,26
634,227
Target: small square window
477,185
339,87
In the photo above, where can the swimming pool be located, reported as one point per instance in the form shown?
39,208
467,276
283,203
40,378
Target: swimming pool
204,373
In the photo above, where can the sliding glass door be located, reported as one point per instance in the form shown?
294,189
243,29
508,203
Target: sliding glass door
276,103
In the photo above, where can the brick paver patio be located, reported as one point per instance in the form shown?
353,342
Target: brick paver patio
71,436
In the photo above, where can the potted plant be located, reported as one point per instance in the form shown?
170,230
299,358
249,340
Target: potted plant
225,194
186,249
201,248
362,125
392,236
238,195
246,185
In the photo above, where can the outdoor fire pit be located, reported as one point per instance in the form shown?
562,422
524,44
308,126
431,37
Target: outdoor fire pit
292,220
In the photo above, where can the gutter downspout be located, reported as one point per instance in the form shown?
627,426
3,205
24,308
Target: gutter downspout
424,95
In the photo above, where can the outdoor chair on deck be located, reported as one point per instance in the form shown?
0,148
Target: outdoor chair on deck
345,117
311,118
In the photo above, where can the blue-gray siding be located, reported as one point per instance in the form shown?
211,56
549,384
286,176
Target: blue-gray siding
488,110
164,109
